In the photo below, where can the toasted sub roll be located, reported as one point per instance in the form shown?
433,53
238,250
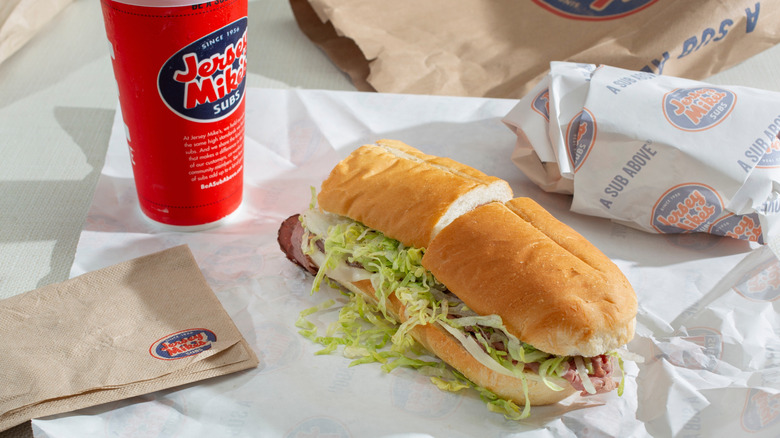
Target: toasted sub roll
444,346
554,291
409,195
552,288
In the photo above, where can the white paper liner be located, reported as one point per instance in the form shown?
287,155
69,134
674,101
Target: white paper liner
707,323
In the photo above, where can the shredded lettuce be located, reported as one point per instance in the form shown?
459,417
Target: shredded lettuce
366,332
619,358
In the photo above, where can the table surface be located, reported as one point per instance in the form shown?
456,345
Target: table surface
57,102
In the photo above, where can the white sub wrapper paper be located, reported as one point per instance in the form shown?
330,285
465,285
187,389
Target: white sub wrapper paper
658,153
707,326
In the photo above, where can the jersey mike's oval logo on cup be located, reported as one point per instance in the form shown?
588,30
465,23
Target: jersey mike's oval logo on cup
541,104
180,68
687,208
205,80
183,344
594,10
580,137
697,109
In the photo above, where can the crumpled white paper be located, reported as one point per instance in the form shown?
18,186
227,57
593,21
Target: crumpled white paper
708,306
659,153
20,20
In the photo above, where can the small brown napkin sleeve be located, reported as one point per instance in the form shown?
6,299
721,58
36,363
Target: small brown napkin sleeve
137,327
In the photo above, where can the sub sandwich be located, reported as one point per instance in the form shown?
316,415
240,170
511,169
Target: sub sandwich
518,304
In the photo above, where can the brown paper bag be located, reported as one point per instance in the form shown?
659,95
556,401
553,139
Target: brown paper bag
137,327
501,48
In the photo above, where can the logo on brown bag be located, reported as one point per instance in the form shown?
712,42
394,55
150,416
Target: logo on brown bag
594,10
182,344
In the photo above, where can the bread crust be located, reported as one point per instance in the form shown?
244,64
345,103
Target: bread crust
408,195
552,288
447,348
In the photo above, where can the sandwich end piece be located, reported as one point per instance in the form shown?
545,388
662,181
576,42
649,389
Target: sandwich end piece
409,195
546,295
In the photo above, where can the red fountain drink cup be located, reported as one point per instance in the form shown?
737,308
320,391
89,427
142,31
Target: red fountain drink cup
180,66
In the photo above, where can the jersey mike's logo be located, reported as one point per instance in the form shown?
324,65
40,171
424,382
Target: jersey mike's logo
771,158
541,104
580,136
697,109
708,354
594,9
762,283
686,208
744,227
183,344
761,411
205,81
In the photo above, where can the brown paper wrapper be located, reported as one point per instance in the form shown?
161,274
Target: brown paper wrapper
134,328
501,48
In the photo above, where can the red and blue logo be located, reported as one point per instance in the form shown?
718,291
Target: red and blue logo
594,10
183,344
686,208
205,81
580,137
697,109
541,104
